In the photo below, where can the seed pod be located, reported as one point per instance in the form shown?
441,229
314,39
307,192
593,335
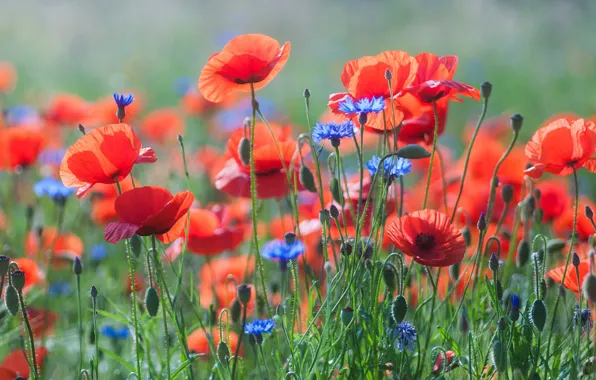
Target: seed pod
499,356
507,193
399,309
11,299
538,314
151,301
235,310
77,266
336,190
18,280
413,152
244,293
516,122
589,287
307,179
223,353
136,245
346,314
523,253
485,89
244,151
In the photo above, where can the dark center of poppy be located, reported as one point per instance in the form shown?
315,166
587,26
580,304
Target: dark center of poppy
425,241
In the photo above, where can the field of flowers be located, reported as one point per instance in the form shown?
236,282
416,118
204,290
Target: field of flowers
220,238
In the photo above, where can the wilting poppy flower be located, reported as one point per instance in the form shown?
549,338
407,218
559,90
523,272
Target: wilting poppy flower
163,125
198,341
149,210
439,362
247,60
8,77
429,237
16,364
210,231
33,275
67,110
104,155
570,281
561,147
20,147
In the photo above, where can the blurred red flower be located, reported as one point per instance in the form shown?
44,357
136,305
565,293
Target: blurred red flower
163,125
67,110
211,232
198,342
15,364
8,77
20,147
571,281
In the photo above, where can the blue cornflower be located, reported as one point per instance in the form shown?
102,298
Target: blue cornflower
586,318
123,100
364,105
98,252
114,332
21,114
333,131
515,302
404,335
183,85
54,189
393,167
51,156
279,250
59,288
259,327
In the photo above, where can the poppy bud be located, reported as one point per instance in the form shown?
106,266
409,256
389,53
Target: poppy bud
306,93
334,211
77,266
589,212
516,122
18,280
347,247
589,287
11,299
151,301
4,262
499,356
413,151
307,179
223,352
235,310
523,253
82,129
389,278
538,314
244,151
485,89
336,190
388,74
136,245
399,309
575,260
555,245
324,216
93,292
493,262
528,208
502,324
346,314
454,272
244,293
481,222
465,231
290,238
362,118
507,193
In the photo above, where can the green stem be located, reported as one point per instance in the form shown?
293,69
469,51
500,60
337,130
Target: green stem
33,359
432,155
239,340
161,284
80,318
95,333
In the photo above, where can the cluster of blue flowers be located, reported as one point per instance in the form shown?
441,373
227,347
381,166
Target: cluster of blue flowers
53,189
279,250
333,132
364,105
116,333
404,335
393,167
259,327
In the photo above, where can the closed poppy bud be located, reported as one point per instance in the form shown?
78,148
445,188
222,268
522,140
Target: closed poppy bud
485,89
307,179
11,299
77,266
507,193
346,247
399,309
481,222
306,93
555,245
82,129
589,212
413,151
454,272
523,253
244,151
346,314
324,216
362,118
589,287
334,211
538,314
467,235
290,238
499,356
223,352
4,262
93,292
244,292
388,74
136,245
493,263
151,301
335,188
389,278
18,280
235,310
516,122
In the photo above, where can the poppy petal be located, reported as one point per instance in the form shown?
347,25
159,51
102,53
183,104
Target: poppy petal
116,231
146,156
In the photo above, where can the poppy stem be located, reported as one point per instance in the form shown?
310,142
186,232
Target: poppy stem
569,254
33,359
95,333
161,285
244,307
468,154
80,318
432,155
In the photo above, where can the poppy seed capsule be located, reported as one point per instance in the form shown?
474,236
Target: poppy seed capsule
507,193
523,253
589,287
362,118
334,211
538,314
151,301
346,314
399,309
244,151
290,238
93,292
306,93
18,280
4,263
589,212
11,299
516,121
223,353
77,266
485,89
244,292
413,152
499,355
307,179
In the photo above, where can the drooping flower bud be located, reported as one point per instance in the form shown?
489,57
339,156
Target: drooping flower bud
151,301
589,287
523,253
223,353
538,314
413,152
11,299
399,309
499,355
244,151
307,179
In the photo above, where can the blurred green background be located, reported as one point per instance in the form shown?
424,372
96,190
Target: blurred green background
540,55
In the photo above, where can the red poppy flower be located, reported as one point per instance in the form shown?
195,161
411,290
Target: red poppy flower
163,125
250,59
554,199
429,237
33,275
562,146
563,225
220,270
67,110
66,246
439,361
42,321
20,147
8,77
210,231
198,342
272,182
571,281
104,155
16,364
149,210
418,124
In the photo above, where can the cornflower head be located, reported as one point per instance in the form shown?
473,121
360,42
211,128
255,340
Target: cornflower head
393,167
333,132
53,189
351,107
257,328
122,101
115,332
280,250
404,336
586,318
